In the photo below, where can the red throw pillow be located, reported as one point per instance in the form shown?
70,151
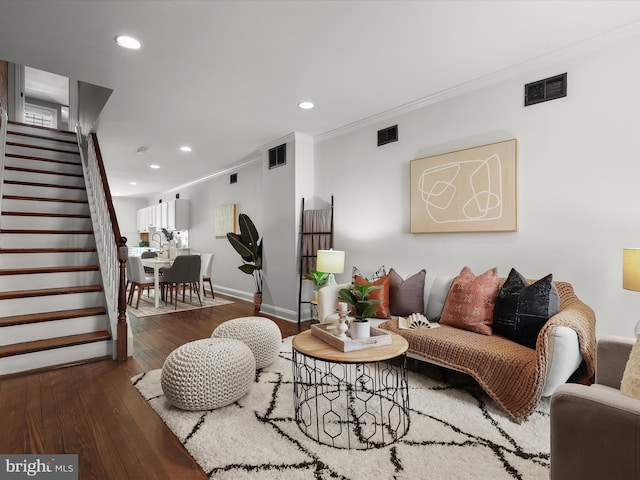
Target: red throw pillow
471,300
381,294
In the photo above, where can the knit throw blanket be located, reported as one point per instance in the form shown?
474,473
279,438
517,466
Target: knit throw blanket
512,374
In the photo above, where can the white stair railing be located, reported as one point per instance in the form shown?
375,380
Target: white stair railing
3,143
111,246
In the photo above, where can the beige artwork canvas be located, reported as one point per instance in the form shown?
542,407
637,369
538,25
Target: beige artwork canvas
470,190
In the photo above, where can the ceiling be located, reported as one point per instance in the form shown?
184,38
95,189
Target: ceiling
226,77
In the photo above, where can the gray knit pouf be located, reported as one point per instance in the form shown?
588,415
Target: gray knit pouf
260,334
207,374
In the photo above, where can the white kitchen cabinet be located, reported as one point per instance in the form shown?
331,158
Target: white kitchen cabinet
164,215
178,215
172,215
142,220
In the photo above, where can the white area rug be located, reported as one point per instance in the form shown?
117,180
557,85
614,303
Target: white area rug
456,432
147,307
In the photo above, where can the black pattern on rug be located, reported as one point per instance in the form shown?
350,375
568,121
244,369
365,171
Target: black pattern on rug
456,431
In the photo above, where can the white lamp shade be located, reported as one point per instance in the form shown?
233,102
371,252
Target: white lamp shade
330,261
631,269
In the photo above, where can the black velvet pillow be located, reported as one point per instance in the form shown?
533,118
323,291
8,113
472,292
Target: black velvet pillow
521,309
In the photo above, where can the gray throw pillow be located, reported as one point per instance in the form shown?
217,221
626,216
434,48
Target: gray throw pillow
406,296
436,289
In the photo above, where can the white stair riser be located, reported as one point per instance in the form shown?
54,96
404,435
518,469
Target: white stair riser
43,165
48,280
45,223
40,206
58,259
44,178
42,142
25,306
38,152
53,192
12,240
41,132
57,356
55,328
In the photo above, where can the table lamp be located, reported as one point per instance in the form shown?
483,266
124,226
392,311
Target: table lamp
631,273
330,261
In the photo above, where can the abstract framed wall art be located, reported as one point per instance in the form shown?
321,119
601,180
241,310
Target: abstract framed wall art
225,220
470,190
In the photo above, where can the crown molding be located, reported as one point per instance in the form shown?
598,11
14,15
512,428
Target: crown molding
246,162
563,54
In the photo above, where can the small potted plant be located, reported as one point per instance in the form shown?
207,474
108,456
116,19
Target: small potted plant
170,243
362,307
319,280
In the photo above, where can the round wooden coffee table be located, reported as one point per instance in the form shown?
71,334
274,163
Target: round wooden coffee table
357,399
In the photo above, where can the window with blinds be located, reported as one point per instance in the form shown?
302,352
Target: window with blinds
40,116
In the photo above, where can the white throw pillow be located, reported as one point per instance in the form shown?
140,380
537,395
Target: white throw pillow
630,385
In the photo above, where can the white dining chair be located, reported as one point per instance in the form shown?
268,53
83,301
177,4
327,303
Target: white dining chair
138,278
206,269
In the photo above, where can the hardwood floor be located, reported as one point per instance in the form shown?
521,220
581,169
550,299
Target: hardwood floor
94,411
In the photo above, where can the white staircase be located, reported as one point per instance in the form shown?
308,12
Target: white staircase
52,304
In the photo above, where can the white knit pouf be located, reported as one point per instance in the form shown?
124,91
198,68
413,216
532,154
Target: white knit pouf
260,334
208,373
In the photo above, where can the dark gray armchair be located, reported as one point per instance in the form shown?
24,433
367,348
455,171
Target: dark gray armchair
184,271
595,430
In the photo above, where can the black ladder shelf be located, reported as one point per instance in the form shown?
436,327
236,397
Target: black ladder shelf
314,236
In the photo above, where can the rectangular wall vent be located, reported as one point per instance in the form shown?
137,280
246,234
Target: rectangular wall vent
387,135
278,156
177,196
545,90
233,178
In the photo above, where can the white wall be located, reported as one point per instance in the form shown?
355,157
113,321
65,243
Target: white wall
126,212
579,168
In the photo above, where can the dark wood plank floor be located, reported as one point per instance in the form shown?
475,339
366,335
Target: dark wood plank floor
94,411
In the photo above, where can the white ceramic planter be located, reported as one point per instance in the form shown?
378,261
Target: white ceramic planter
359,330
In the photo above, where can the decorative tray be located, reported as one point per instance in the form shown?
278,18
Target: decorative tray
327,332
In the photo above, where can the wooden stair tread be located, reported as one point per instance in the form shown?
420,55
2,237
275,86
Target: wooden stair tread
49,291
43,172
38,127
50,316
43,199
46,250
47,232
46,214
40,147
51,343
67,268
42,159
40,184
40,137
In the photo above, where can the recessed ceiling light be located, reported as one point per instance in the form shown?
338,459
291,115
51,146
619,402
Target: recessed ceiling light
154,166
132,183
185,148
126,41
305,105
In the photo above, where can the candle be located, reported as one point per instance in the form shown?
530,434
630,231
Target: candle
343,307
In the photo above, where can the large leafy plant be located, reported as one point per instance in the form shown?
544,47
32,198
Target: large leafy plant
358,297
249,245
